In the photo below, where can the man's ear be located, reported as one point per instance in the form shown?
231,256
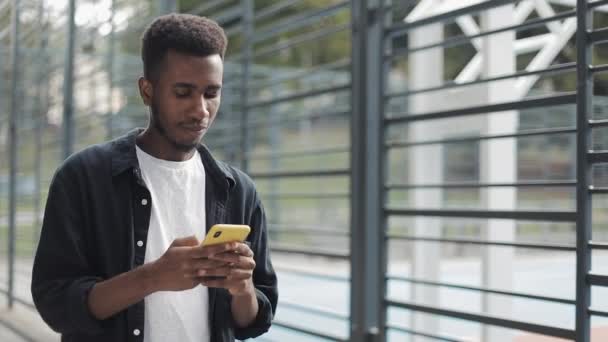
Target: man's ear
146,90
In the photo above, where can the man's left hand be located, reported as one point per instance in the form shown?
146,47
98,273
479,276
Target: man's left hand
236,276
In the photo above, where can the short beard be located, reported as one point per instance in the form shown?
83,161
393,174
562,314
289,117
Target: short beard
162,131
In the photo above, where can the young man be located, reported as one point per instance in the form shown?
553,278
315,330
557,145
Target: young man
119,257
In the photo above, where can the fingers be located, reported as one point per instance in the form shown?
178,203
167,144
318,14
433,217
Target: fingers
239,261
218,283
226,271
213,250
244,250
199,264
185,241
201,251
191,269
238,248
197,250
226,281
232,261
239,274
233,285
236,275
222,272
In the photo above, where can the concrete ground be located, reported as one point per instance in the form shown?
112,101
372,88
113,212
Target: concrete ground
23,324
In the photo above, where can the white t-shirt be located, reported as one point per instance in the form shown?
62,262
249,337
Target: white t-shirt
178,210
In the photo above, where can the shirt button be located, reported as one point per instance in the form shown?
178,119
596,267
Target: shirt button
140,243
144,202
136,332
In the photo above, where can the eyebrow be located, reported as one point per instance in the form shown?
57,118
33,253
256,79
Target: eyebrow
193,86
184,85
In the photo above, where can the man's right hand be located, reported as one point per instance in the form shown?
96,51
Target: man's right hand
177,268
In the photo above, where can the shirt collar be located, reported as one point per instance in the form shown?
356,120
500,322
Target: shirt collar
124,157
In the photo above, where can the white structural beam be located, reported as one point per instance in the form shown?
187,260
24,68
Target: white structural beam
526,45
421,10
548,45
546,56
498,165
534,43
471,71
453,5
470,28
425,166
523,10
427,8
545,10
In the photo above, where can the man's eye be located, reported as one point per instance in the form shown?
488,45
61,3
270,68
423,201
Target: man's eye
182,93
211,94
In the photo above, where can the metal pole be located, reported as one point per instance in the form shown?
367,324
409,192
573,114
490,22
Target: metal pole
13,141
385,17
368,262
228,112
38,109
583,172
275,147
248,27
357,309
93,106
92,77
68,84
109,122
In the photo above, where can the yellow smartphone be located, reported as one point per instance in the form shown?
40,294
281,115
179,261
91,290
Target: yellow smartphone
221,233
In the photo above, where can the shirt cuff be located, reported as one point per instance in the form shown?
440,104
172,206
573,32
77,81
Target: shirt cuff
78,304
262,321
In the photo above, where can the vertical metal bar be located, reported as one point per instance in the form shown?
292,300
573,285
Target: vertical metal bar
13,141
248,27
228,112
367,222
7,121
109,119
39,118
68,84
275,147
583,169
386,46
357,305
92,76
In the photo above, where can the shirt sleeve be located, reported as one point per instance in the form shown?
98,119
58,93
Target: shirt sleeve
264,277
62,275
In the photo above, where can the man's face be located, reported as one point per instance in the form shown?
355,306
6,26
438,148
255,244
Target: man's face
185,98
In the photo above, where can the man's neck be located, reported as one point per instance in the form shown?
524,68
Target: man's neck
156,145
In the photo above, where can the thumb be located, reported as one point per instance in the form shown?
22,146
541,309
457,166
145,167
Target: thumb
185,241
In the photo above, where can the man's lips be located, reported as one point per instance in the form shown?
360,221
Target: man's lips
195,128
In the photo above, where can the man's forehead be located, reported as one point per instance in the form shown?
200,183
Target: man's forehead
183,59
191,67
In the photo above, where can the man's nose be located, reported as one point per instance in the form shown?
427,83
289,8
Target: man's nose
202,109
